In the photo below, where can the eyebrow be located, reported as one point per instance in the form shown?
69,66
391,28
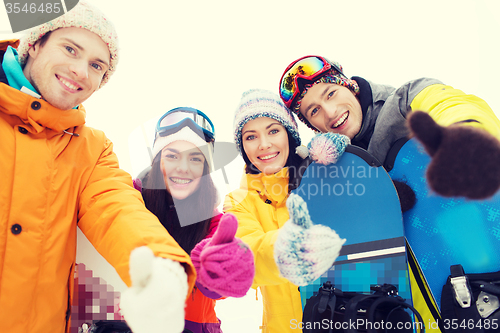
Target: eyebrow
172,150
267,127
81,48
322,96
178,152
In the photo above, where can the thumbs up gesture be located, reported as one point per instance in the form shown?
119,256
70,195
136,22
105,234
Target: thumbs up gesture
303,251
157,297
465,160
224,264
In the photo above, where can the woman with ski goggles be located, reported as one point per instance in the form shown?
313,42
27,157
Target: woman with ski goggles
179,190
185,116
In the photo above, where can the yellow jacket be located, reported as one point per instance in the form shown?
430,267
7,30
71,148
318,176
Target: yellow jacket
448,106
53,182
258,224
385,110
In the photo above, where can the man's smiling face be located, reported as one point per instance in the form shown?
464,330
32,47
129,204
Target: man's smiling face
69,67
334,108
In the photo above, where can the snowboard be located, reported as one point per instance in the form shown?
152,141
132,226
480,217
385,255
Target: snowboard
446,231
356,198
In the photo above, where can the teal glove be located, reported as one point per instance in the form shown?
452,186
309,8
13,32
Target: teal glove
303,251
326,148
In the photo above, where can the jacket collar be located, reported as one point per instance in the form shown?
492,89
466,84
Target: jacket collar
365,98
14,72
36,113
273,187
4,44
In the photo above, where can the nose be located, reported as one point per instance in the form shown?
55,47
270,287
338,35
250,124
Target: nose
330,111
264,143
80,69
183,165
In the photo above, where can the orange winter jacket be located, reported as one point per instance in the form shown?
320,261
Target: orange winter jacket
51,183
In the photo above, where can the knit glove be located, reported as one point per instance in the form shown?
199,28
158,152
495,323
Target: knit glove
155,302
224,264
465,160
326,148
137,184
303,251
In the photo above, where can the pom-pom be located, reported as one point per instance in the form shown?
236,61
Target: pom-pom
326,148
302,152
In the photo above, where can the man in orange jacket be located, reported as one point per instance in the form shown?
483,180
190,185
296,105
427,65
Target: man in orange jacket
59,174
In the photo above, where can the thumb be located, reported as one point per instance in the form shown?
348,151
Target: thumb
426,130
297,209
226,230
140,266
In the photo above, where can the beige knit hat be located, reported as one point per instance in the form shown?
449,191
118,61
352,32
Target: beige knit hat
85,16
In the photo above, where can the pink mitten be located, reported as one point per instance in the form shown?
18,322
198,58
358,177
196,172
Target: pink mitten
224,264
137,184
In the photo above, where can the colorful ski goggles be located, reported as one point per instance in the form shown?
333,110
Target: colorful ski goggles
308,68
177,118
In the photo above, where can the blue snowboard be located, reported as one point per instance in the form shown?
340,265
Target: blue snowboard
441,231
356,198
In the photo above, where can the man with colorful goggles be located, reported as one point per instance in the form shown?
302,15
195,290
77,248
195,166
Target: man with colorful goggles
465,146
306,69
372,115
177,118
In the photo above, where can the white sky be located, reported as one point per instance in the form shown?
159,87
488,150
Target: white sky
206,53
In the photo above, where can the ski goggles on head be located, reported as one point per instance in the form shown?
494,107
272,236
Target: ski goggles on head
307,68
177,118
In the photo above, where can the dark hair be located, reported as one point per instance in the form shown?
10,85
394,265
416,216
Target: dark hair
293,161
44,39
197,209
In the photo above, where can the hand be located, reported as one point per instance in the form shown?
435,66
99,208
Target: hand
465,160
155,302
326,148
224,264
303,251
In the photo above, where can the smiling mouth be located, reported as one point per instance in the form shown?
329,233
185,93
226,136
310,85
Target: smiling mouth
180,181
341,120
68,84
267,157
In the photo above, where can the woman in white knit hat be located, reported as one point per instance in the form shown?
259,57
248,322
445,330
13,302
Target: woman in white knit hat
266,134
